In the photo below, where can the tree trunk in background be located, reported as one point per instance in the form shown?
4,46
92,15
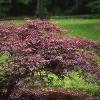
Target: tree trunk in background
78,5
14,6
4,8
41,11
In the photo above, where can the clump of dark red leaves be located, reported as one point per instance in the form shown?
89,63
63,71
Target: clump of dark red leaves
36,46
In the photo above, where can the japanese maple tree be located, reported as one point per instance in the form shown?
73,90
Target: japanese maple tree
36,46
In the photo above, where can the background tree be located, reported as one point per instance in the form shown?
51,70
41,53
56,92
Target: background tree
53,7
41,11
5,6
94,6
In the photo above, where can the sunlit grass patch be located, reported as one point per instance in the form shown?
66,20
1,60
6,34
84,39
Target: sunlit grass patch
85,28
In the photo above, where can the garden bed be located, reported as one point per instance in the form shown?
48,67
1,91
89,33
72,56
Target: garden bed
52,94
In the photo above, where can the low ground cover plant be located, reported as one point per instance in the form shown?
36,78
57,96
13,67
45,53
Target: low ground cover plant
37,46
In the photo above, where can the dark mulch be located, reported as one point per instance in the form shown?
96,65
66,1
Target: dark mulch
51,94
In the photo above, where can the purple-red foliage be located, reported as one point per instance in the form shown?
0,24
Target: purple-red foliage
35,46
30,45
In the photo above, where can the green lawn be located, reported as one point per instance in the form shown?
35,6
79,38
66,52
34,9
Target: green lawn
86,28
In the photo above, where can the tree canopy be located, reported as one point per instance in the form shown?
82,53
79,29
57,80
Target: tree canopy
54,7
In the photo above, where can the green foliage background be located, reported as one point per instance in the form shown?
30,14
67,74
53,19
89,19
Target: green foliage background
54,7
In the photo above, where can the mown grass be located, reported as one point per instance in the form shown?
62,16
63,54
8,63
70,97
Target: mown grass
86,28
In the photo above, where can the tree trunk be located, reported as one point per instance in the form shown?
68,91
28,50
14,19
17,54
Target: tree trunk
41,9
78,5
